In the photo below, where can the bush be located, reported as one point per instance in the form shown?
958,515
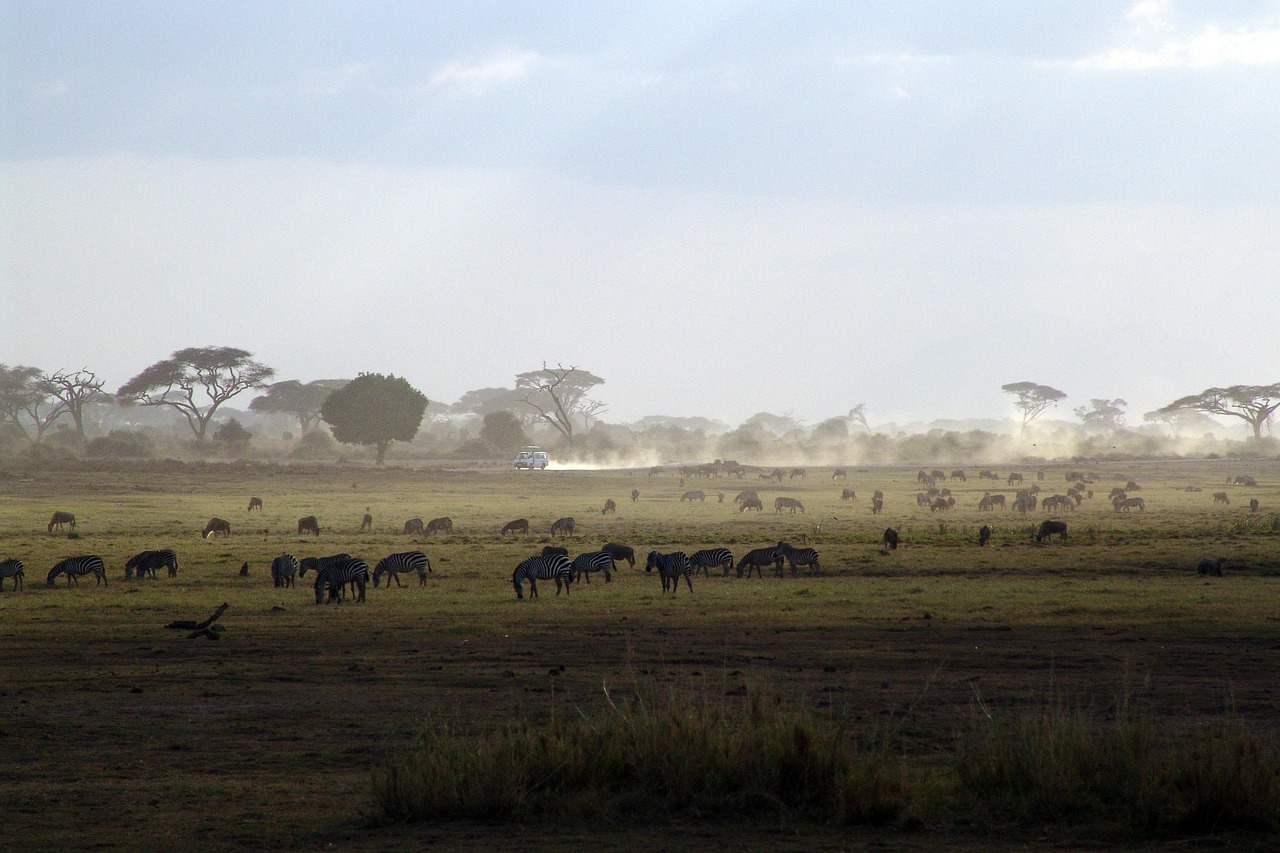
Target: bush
316,444
232,435
121,444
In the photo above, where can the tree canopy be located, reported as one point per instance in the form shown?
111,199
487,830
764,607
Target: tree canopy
559,396
375,410
28,397
503,431
291,397
1254,404
1033,399
1103,415
195,382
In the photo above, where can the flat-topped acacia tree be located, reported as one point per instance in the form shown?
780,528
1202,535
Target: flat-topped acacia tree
1253,404
375,410
196,381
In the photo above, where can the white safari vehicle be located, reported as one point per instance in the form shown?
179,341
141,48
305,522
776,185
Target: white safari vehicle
532,457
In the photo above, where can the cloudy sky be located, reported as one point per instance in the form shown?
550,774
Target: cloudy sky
719,207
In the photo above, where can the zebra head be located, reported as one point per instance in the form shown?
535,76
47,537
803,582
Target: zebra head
654,556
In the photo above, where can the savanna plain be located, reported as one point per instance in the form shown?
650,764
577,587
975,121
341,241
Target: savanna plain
896,681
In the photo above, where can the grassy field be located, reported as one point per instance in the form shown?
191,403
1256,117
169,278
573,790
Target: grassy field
120,734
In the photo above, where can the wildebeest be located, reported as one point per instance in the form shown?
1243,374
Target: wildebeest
984,535
609,506
890,539
781,503
309,524
922,499
620,553
413,525
655,470
146,562
877,494
564,526
216,525
745,495
848,495
877,506
444,524
693,496
1253,505
1126,504
255,503
839,474
58,519
552,550
798,472
366,523
518,525
1049,528
635,495
1210,566
12,569
1131,486
1221,498
958,474
751,503
1014,478
942,504
1243,480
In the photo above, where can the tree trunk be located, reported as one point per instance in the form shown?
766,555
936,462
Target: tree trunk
382,452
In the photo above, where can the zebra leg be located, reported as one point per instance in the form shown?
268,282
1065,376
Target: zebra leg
687,580
361,584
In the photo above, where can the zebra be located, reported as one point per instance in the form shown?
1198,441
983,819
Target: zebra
620,553
308,524
319,564
799,557
73,567
437,525
12,569
709,557
593,561
760,557
793,504
609,507
337,575
283,570
149,561
519,525
60,518
216,525
670,567
413,525
563,526
552,567
393,564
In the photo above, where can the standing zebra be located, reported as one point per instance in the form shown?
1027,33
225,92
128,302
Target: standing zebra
799,557
12,569
760,557
283,570
318,564
593,561
670,567
704,560
148,561
337,575
405,561
74,567
551,567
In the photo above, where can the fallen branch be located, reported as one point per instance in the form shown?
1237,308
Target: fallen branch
200,628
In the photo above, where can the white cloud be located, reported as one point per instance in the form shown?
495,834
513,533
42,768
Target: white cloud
1212,47
479,74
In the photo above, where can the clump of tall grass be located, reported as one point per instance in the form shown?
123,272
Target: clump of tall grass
670,754
1057,764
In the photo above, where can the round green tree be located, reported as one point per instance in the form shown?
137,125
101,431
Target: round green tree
375,410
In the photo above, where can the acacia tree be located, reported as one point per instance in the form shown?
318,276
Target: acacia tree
559,395
77,389
195,382
1253,404
1033,399
27,397
375,410
1103,415
1181,420
293,398
503,431
858,415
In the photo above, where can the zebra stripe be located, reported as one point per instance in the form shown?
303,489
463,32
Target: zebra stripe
760,557
670,567
798,557
12,569
74,567
704,560
146,562
283,569
538,568
593,561
337,575
406,561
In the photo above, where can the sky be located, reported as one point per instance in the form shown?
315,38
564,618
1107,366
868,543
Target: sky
721,208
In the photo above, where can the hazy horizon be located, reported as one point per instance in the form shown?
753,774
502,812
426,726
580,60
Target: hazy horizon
719,208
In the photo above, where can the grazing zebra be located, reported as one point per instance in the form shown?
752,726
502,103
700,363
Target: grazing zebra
787,503
592,561
216,525
670,567
317,564
74,567
444,524
308,524
620,553
60,518
760,557
635,495
609,507
283,570
1221,498
255,503
149,561
519,525
890,539
705,559
1049,528
534,569
563,526
693,496
1127,504
405,561
413,525
799,557
984,535
366,523
337,575
12,569
745,495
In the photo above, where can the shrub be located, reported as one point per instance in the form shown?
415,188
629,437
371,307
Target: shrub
316,444
121,443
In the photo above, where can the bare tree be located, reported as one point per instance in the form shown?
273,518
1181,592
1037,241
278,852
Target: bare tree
195,382
1253,404
1033,399
27,399
558,395
858,415
77,389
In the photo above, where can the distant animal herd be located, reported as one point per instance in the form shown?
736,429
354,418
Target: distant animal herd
335,573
